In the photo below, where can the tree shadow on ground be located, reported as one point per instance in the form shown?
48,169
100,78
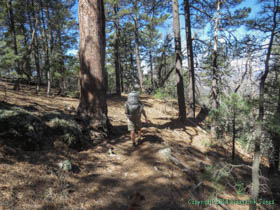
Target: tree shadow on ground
118,130
111,190
175,124
152,139
157,196
29,108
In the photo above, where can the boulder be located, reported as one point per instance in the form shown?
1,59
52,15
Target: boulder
165,153
65,165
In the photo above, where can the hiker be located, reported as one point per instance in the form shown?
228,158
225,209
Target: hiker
133,110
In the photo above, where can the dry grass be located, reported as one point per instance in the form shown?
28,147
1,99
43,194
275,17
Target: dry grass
32,180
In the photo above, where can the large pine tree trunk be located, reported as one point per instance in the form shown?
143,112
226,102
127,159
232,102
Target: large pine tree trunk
93,105
191,89
215,72
177,38
116,50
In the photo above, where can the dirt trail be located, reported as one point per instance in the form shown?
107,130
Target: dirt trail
107,175
143,170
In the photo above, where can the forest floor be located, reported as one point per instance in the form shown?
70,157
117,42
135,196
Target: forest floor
108,174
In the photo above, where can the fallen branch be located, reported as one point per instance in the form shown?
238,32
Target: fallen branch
238,166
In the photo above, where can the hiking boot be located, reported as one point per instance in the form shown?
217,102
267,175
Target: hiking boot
140,140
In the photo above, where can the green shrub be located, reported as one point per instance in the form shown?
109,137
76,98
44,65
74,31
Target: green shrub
67,130
22,128
240,188
73,94
233,108
217,175
161,93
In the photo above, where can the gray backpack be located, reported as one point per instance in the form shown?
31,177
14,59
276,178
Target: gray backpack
133,105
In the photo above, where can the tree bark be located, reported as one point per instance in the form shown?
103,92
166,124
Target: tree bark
215,72
191,89
116,50
132,75
61,63
46,46
121,77
151,68
233,132
93,104
178,61
137,53
36,49
50,52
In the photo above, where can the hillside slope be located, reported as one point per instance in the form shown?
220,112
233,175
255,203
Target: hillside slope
104,176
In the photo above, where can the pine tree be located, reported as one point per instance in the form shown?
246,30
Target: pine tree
93,105
178,60
271,14
191,89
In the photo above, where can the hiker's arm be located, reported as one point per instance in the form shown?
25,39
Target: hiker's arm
144,113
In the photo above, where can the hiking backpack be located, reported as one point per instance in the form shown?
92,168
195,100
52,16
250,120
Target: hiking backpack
133,104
